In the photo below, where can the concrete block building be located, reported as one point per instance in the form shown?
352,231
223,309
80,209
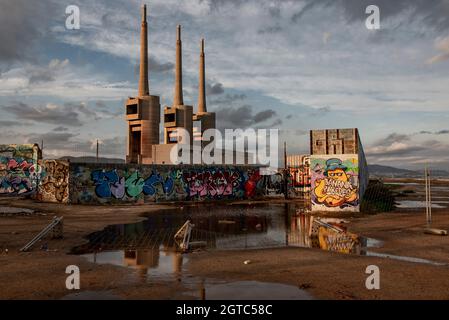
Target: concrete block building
339,172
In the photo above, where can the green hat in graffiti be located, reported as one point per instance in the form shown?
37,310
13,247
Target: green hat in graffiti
334,164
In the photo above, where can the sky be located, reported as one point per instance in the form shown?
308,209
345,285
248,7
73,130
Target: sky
288,65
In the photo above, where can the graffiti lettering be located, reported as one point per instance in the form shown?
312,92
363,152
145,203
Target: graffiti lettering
158,183
150,187
107,184
212,184
19,173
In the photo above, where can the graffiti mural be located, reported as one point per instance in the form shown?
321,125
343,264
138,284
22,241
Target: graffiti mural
54,184
19,169
335,182
90,183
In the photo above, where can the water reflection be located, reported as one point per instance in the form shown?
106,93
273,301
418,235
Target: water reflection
323,233
149,246
152,263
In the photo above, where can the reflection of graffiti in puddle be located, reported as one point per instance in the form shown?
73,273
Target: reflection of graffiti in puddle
150,249
327,234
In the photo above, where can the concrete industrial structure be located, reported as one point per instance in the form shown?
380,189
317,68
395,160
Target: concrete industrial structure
335,174
143,111
339,172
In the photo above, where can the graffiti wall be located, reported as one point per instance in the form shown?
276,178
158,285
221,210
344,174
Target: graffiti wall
94,183
335,182
54,184
19,169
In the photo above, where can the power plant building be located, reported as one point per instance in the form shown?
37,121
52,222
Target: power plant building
143,113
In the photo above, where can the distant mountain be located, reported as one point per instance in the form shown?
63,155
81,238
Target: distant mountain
92,159
376,170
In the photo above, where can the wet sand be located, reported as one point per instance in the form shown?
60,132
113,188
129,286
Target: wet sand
325,275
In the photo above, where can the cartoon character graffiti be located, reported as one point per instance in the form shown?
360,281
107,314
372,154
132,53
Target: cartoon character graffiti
334,188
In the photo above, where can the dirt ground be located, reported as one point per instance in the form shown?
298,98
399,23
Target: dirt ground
326,275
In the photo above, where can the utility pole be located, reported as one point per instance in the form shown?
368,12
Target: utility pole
285,172
428,197
97,151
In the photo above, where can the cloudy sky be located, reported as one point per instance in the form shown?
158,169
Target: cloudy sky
292,65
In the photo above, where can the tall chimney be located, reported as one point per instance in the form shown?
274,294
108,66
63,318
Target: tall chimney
178,99
143,78
202,82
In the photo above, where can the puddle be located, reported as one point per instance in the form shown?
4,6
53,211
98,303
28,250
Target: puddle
148,247
404,258
234,227
153,264
252,290
412,204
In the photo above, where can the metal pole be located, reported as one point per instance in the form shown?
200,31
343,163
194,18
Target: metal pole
427,195
430,199
97,151
285,172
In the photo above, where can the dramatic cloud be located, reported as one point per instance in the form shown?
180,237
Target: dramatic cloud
22,24
61,129
393,138
399,149
48,73
434,13
155,66
214,89
312,61
49,113
435,132
264,115
228,99
64,144
243,117
9,123
70,114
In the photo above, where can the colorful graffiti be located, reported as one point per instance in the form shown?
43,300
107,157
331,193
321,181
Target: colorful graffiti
19,169
212,183
54,185
152,183
110,184
335,182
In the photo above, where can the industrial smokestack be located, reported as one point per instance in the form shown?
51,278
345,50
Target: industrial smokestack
143,77
202,82
178,99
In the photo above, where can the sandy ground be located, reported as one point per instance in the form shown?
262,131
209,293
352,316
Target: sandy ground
326,275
